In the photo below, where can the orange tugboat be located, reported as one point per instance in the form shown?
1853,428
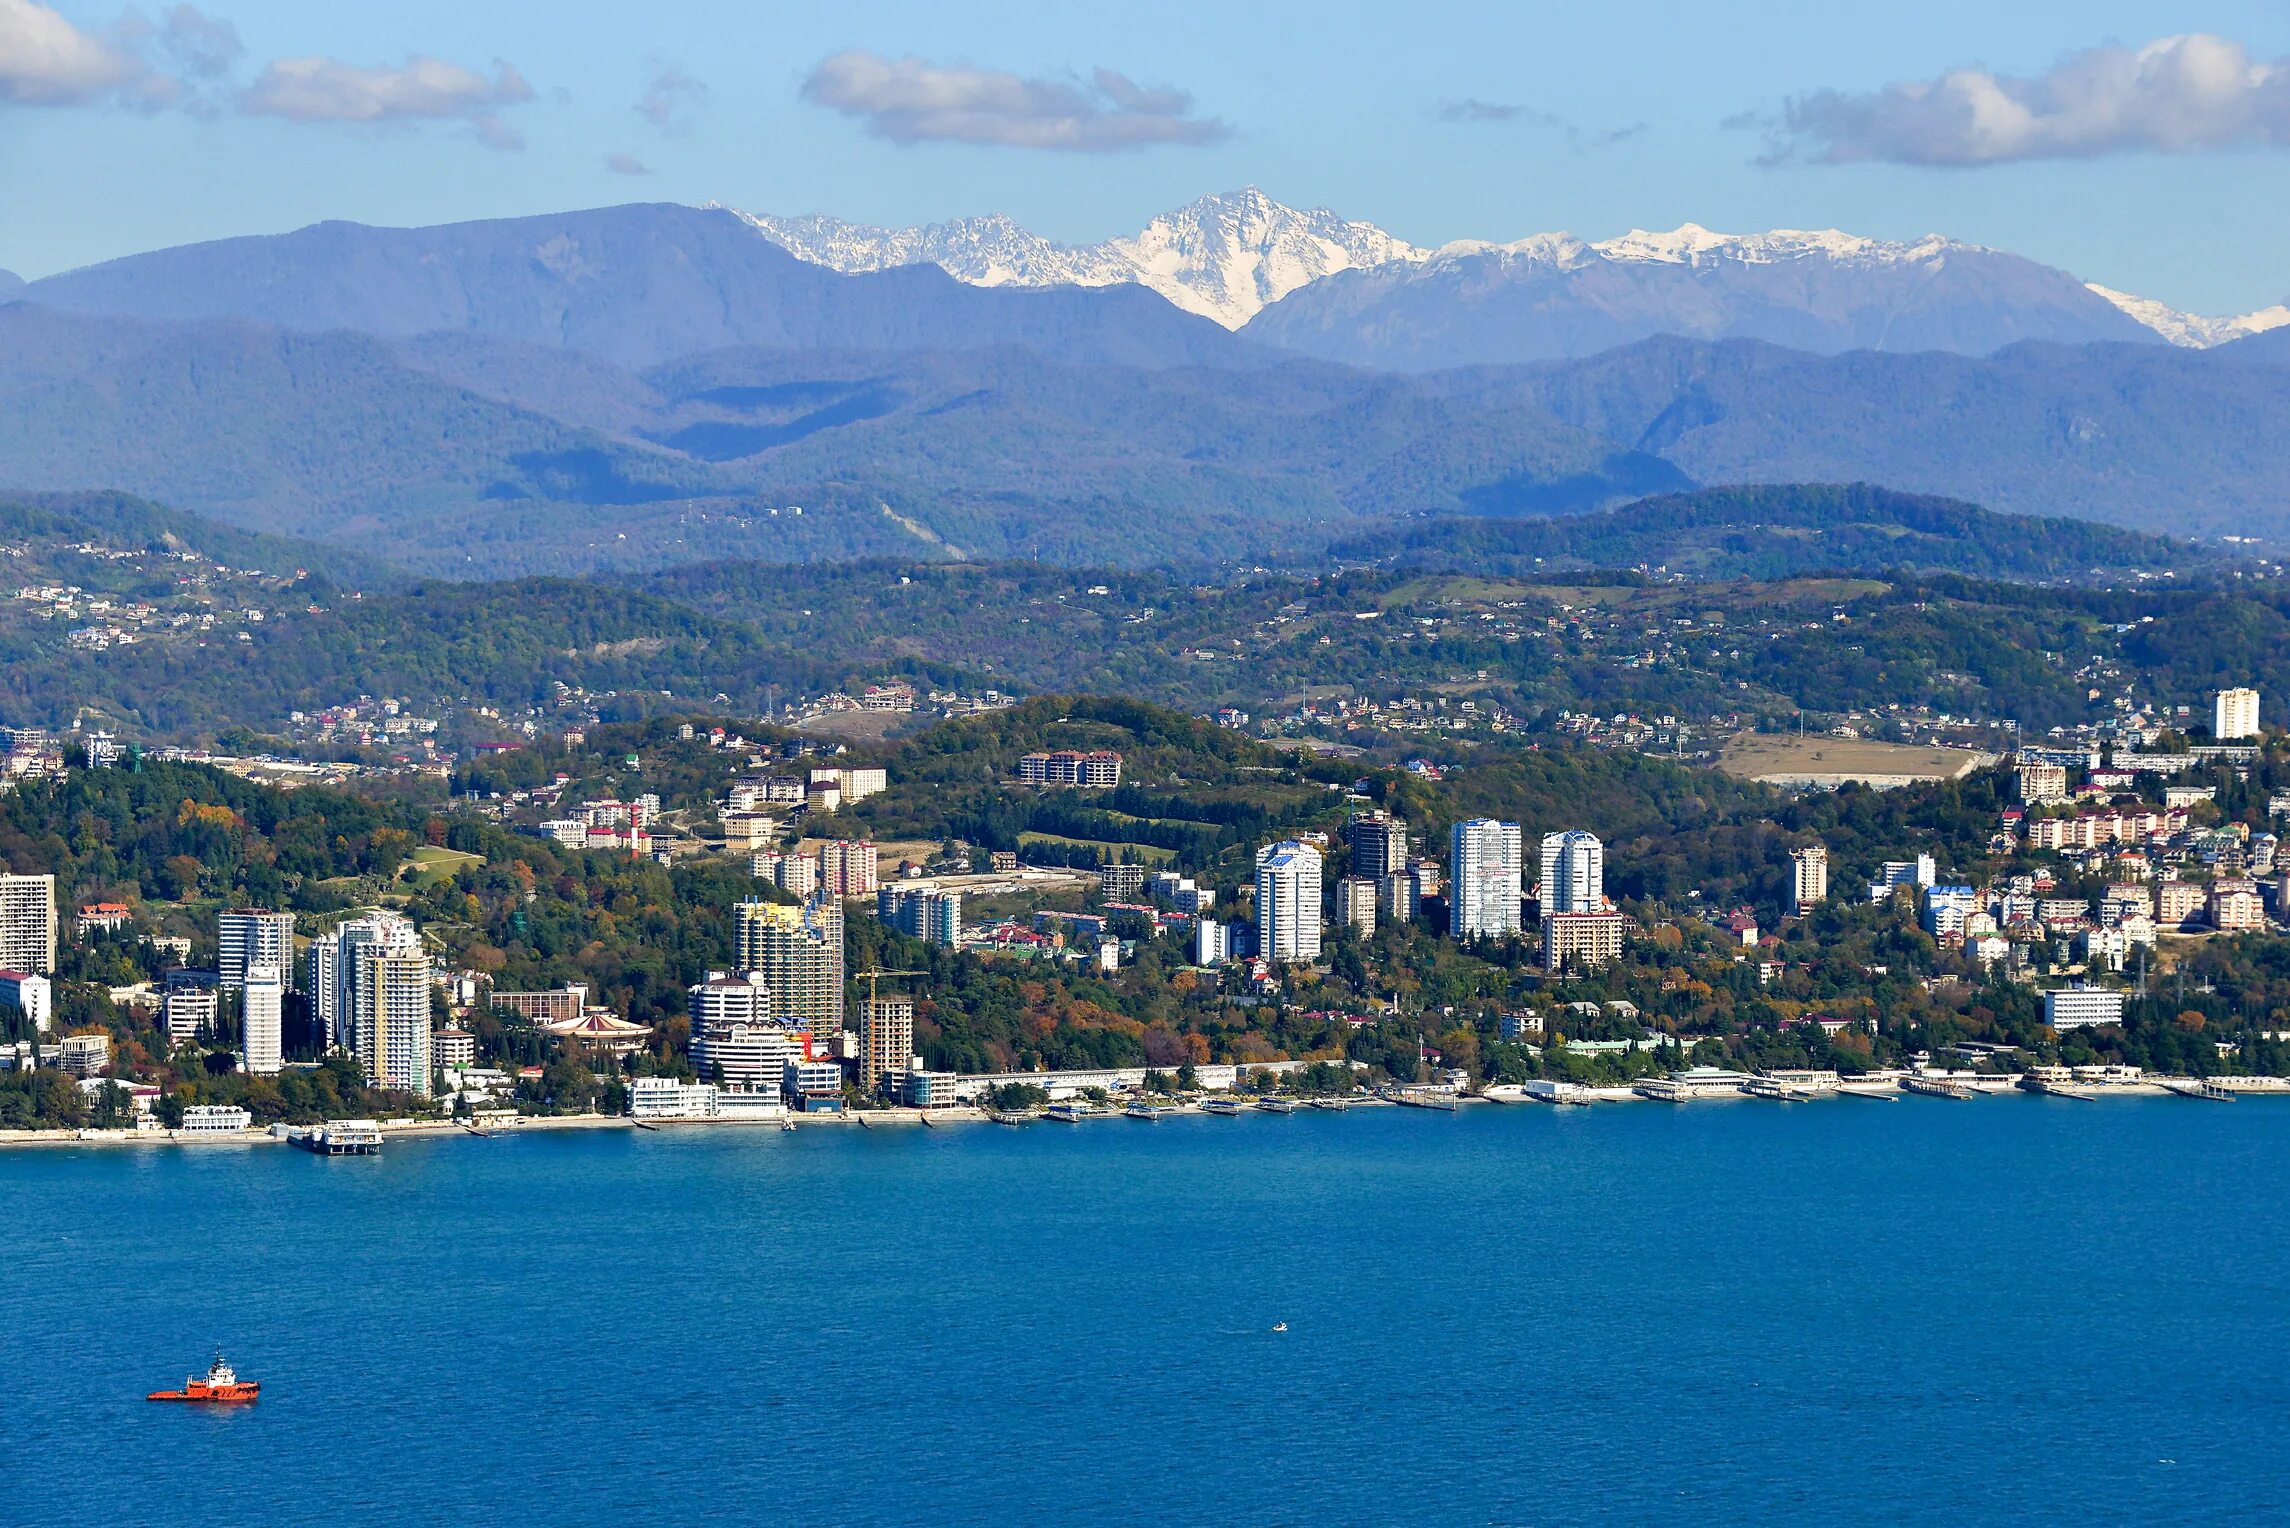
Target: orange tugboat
221,1387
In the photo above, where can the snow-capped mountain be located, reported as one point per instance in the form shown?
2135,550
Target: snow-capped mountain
1223,257
1555,297
1230,257
2193,329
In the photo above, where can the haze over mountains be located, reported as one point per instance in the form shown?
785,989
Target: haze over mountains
650,385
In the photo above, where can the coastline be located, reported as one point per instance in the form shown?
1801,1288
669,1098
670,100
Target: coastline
2240,1087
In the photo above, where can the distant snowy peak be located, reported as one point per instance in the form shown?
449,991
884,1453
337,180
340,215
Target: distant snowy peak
1693,245
1229,257
1223,257
2193,329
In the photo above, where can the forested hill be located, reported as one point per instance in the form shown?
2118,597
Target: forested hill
1782,531
40,525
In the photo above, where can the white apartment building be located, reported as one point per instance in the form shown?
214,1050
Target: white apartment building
262,1028
2234,714
1356,905
28,924
1574,873
246,936
1809,875
35,995
1288,901
186,1010
1486,864
2082,1007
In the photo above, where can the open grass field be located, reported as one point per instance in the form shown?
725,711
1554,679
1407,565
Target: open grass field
431,864
1143,854
1788,760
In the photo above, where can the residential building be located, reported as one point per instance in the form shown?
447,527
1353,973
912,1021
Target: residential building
735,1041
1099,770
2041,784
388,1014
1123,883
2082,1007
813,1085
84,1055
560,1005
849,785
28,923
247,936
332,972
1288,901
189,1007
1920,871
1574,873
1180,891
1584,940
1401,901
1946,908
747,832
2180,904
33,994
929,1090
102,918
1809,875
795,874
669,1098
453,1047
262,1017
1212,942
849,868
1378,842
2236,908
886,1042
725,998
934,917
100,750
1356,905
2234,714
1486,866
797,952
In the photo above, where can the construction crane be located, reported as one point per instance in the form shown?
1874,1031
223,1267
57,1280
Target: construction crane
873,973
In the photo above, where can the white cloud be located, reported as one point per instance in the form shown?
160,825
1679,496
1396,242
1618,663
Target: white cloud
424,89
201,45
672,100
907,100
2176,95
47,61
626,164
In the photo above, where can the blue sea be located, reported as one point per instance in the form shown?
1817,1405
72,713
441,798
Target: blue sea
1844,1312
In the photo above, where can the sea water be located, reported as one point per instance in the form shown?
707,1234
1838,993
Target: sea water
1837,1312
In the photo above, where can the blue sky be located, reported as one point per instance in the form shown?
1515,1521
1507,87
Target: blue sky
1436,120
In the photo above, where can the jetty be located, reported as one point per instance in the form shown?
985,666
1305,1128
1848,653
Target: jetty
339,1138
1934,1087
1424,1098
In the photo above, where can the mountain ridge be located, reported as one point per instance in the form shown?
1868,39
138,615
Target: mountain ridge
638,284
1230,255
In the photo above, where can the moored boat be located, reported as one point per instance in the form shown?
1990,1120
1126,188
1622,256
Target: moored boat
1271,1105
1223,1106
